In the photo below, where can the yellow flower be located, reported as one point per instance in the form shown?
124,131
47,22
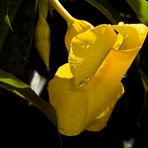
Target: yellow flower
85,90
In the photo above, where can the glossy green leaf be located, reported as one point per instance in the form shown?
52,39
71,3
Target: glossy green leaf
140,7
11,83
107,9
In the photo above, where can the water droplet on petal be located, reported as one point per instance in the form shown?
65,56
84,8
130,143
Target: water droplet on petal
125,75
83,46
87,79
74,67
116,48
142,30
87,46
103,30
121,23
82,85
78,61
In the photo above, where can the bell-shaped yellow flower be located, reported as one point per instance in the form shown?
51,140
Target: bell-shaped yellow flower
84,93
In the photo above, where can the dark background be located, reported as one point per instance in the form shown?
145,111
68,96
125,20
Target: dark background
22,125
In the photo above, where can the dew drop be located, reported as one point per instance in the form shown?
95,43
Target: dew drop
142,30
103,30
116,48
83,46
125,75
82,85
74,67
87,46
87,79
121,23
77,61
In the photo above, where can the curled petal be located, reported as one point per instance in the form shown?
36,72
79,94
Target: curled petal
88,51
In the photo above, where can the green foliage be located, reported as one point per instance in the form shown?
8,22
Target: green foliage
15,46
4,12
11,83
107,9
140,7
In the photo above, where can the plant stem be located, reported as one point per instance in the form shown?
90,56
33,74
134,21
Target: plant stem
62,11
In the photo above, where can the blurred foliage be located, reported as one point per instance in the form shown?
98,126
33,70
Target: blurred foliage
140,7
107,9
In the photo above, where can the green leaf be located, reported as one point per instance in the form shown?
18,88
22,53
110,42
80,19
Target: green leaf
11,83
107,9
140,7
15,47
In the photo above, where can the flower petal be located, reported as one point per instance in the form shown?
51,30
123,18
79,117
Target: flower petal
104,87
70,104
134,34
106,104
88,51
75,28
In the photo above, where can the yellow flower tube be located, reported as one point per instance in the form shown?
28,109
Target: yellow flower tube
89,106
